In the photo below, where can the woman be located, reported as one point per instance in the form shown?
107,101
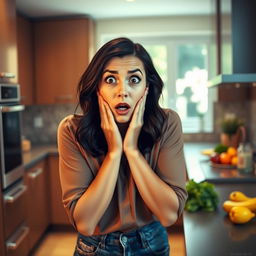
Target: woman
122,166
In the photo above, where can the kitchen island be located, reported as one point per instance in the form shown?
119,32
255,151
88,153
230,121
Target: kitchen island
213,234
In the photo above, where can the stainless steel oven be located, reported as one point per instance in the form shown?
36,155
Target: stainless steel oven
10,134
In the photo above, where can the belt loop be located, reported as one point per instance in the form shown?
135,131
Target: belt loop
143,238
103,241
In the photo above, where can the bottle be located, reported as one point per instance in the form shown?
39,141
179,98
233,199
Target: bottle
245,158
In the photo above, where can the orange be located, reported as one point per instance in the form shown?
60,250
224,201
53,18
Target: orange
225,158
232,151
234,160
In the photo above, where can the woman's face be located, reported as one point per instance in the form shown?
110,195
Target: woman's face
123,84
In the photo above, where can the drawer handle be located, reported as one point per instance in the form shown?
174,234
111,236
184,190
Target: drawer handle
36,173
15,194
6,75
6,109
14,242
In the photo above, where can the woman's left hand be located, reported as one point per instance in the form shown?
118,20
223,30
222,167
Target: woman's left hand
133,132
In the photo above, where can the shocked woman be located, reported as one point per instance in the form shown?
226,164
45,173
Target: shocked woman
122,165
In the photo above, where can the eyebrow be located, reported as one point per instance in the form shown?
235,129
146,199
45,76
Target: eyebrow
116,72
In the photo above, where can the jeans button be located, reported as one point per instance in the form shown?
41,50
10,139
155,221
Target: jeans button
124,239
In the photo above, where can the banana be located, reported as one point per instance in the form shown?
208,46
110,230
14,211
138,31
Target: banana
238,196
250,204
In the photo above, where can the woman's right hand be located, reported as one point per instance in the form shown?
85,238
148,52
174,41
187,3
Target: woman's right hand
109,127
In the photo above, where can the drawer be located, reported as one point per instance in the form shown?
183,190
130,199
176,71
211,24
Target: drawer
17,243
14,204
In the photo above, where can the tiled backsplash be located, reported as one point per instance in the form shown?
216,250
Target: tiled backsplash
40,122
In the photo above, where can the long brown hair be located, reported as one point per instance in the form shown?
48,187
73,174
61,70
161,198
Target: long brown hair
89,133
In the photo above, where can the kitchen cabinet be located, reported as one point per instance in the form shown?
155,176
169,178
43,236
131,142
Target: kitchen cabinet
25,60
62,52
15,226
8,46
58,214
37,208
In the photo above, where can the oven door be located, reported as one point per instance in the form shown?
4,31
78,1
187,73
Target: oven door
10,144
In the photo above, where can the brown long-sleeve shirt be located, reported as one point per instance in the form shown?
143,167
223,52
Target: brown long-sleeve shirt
127,209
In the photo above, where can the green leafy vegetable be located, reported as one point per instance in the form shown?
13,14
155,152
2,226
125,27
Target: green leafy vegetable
201,196
220,148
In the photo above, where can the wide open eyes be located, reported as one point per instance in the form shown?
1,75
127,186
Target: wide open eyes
110,80
134,79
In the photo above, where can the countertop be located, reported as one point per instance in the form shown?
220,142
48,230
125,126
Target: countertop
212,234
38,153
199,168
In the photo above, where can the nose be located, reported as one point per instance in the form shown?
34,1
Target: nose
122,90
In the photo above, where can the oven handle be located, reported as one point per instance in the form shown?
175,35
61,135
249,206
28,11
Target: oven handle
6,75
16,108
19,236
15,194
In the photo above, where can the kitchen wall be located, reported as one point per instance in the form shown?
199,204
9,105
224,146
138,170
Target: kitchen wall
154,26
40,122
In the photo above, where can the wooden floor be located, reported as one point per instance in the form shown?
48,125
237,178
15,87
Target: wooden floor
63,243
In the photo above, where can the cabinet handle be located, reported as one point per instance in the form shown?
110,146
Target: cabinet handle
14,194
16,239
36,173
6,75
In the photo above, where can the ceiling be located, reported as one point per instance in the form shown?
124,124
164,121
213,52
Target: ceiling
101,9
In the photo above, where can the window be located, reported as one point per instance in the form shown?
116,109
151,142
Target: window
183,64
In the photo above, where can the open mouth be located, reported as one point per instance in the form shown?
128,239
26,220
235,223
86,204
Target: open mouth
122,108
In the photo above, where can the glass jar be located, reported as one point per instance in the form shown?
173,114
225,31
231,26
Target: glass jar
245,158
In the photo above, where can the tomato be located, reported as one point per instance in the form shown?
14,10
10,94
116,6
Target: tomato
225,158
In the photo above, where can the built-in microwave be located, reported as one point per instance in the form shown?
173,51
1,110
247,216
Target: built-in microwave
10,134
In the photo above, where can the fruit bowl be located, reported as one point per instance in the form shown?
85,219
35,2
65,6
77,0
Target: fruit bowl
222,156
225,166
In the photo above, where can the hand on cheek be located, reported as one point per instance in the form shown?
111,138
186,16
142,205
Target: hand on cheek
109,127
132,134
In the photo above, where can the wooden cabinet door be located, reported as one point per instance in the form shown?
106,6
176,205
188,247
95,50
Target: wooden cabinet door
8,46
25,60
2,244
38,205
58,214
61,55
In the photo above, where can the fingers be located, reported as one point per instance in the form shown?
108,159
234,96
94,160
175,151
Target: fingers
102,109
106,115
140,108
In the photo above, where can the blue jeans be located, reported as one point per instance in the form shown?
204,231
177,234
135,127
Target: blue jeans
151,239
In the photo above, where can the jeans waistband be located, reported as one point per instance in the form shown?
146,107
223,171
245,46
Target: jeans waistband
148,227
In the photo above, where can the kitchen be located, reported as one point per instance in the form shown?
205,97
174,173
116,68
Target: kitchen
36,49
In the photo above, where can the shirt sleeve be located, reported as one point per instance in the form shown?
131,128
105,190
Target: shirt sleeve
75,172
171,166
